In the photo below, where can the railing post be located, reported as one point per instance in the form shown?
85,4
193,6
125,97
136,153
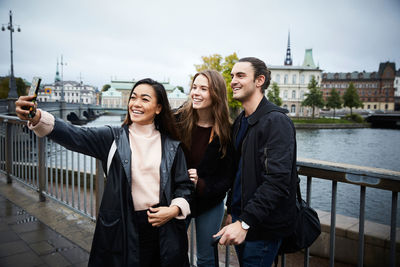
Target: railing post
333,225
8,154
42,167
393,230
361,227
99,184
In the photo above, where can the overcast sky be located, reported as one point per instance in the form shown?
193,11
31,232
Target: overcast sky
164,39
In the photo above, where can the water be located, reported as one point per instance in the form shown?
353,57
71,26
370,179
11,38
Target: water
379,148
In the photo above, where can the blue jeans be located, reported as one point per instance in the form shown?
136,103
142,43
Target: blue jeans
259,253
207,224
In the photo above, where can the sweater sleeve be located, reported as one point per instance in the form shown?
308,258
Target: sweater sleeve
45,124
183,205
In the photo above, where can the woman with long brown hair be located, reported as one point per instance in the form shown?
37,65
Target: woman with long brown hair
146,198
205,130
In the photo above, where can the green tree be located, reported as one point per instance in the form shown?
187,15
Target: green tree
212,62
334,101
180,89
223,66
351,98
105,88
313,97
4,87
273,95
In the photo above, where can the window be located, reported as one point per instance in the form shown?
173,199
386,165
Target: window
386,106
301,94
285,79
293,109
294,78
278,78
374,106
369,106
285,94
285,106
302,79
294,94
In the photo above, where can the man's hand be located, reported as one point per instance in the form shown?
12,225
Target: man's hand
232,234
161,215
228,219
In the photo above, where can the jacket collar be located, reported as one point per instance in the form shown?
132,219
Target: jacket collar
124,151
263,107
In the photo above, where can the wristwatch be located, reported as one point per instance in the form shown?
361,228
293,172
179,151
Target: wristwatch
245,226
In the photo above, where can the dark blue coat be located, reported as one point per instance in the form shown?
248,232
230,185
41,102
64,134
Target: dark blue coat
268,172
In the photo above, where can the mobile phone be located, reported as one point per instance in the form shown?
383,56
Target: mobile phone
33,91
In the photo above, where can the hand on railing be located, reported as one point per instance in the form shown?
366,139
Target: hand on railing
22,106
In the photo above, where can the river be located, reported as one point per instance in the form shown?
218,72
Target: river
378,148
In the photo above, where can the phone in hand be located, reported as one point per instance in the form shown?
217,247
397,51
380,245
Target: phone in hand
33,91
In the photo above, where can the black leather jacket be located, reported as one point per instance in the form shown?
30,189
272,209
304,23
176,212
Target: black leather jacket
115,241
269,177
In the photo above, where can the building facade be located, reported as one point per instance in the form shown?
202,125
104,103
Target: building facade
124,87
293,83
74,92
375,89
397,90
111,98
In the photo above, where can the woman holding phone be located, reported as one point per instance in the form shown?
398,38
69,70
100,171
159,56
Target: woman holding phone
146,197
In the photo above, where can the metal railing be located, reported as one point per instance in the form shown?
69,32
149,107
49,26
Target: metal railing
70,178
77,181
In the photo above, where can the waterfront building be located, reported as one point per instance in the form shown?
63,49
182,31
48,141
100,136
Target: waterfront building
177,98
376,89
74,92
293,82
124,87
397,90
112,98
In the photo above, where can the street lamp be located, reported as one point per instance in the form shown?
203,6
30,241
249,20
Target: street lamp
13,88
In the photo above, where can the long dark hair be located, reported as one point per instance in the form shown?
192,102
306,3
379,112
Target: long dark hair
164,121
188,116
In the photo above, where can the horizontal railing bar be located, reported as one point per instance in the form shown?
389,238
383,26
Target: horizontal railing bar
391,185
349,168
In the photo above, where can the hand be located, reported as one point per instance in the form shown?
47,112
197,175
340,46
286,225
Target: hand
193,176
161,215
232,234
228,219
22,106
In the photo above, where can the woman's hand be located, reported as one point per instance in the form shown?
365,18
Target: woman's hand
193,176
22,106
161,215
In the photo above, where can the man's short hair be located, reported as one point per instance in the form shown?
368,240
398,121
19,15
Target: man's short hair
260,68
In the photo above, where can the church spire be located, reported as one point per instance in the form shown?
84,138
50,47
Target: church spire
57,78
288,60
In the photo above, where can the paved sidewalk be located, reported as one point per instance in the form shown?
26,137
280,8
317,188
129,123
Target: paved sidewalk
25,241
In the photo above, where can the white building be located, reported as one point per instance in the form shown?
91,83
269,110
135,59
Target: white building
124,87
293,82
177,98
111,99
74,92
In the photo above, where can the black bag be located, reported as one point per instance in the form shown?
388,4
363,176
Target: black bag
307,228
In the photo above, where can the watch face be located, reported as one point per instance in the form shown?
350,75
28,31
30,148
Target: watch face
245,226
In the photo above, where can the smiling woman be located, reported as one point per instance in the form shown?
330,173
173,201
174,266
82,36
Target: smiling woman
146,198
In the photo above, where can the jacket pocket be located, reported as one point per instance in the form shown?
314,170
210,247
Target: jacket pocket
109,234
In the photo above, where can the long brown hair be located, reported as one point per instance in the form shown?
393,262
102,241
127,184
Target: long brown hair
187,116
164,121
